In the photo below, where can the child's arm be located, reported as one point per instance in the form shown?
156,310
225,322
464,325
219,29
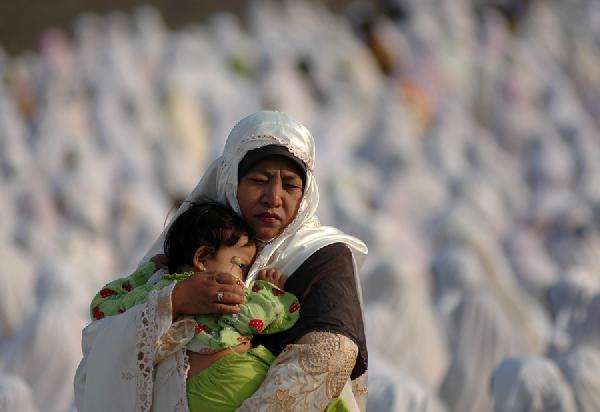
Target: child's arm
122,294
269,310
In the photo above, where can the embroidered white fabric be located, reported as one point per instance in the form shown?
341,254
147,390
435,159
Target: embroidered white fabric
120,368
307,376
146,336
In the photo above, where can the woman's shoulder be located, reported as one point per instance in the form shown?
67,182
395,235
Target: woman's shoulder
336,251
331,261
319,246
317,238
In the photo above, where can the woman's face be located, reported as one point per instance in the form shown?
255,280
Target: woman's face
269,195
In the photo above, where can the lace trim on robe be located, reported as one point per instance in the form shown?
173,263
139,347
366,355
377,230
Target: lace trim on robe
146,338
154,347
183,366
307,375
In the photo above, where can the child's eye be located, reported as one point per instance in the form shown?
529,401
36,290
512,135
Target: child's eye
238,262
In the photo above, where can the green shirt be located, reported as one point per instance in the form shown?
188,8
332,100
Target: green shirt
268,309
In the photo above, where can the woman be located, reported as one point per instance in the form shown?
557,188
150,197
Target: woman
137,360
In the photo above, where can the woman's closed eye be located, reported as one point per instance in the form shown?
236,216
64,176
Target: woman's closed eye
291,186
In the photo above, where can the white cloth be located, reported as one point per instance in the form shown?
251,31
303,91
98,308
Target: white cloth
581,367
44,352
18,276
401,324
482,336
15,395
570,300
117,372
532,384
392,390
533,265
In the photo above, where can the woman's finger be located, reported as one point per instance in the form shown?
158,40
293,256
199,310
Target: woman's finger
225,278
229,298
222,308
235,289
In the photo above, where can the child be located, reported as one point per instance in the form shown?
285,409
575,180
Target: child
223,372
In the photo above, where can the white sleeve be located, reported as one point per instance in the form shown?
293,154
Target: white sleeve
120,352
307,375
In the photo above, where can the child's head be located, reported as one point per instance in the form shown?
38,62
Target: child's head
210,237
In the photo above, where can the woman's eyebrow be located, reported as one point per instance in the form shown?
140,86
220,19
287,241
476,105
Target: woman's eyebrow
285,175
290,176
292,179
262,172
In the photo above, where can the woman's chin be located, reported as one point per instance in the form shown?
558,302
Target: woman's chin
266,235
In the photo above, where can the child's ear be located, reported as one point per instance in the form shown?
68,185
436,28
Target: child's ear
202,253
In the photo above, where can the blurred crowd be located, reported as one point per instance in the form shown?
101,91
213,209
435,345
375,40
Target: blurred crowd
459,139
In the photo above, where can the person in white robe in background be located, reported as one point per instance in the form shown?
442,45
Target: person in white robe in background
16,395
581,367
530,384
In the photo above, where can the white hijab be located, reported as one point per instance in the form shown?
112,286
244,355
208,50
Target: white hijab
304,235
581,367
15,394
530,384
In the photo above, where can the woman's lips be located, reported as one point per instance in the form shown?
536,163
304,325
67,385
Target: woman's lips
269,218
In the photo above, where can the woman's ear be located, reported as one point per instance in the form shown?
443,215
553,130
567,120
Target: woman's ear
200,256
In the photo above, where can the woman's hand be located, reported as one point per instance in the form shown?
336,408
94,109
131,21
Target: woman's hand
207,292
274,276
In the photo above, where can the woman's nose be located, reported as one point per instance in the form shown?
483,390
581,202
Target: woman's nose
272,194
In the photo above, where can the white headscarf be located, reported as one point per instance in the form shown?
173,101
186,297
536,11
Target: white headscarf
483,336
304,235
391,390
398,311
529,385
570,300
15,394
582,369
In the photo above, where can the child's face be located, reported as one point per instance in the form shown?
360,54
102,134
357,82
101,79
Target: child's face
235,259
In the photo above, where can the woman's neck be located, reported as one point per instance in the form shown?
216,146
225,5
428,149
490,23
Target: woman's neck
261,243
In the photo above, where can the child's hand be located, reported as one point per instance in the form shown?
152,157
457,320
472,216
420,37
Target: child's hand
274,276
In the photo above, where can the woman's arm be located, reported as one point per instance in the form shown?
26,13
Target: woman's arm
120,352
122,294
307,375
326,347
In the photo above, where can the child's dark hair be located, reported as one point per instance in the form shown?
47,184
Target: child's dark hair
208,224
